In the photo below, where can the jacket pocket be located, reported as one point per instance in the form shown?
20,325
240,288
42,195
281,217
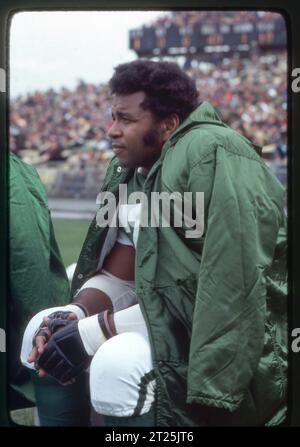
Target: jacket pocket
179,299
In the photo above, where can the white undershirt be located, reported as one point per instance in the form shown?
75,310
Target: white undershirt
129,217
123,238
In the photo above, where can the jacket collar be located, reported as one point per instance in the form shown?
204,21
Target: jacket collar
203,114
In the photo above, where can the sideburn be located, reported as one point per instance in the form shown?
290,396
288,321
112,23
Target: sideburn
152,138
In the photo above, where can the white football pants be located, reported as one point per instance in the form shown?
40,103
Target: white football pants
122,381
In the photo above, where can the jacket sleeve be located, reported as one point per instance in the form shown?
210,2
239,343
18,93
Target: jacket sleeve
37,274
242,218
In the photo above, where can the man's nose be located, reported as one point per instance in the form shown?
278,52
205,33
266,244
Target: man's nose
114,131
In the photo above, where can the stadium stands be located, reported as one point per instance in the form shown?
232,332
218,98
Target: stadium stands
68,127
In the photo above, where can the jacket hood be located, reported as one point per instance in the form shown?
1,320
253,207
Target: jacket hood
205,113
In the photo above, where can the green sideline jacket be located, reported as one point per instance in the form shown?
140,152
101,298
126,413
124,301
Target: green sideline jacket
37,277
215,306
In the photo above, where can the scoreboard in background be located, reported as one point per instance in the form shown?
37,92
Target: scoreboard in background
207,37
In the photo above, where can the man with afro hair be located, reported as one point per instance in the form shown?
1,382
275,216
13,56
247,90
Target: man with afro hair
196,345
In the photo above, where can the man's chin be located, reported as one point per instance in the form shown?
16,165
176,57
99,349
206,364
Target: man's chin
123,163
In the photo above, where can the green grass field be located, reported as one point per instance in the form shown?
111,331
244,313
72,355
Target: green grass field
70,235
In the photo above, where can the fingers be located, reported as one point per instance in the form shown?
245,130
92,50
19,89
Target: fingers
71,316
33,356
44,334
57,323
38,349
41,372
40,344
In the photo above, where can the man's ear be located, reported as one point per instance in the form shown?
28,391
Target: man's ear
169,125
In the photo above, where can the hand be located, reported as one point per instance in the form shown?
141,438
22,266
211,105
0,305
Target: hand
33,327
68,352
64,357
51,324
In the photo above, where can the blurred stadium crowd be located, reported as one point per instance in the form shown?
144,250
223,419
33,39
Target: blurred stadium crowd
52,121
250,93
188,18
